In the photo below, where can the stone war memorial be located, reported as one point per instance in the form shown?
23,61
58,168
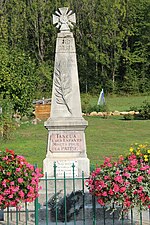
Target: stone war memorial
66,143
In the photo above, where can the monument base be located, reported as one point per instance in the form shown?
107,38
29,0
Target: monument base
66,147
70,166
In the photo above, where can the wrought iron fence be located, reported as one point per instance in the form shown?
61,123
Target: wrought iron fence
66,201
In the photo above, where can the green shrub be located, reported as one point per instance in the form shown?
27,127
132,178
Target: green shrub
145,110
85,102
7,124
129,117
98,108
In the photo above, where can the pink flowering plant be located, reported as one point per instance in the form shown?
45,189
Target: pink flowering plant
18,180
124,183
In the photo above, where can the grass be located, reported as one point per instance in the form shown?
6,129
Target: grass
104,137
113,137
121,103
30,141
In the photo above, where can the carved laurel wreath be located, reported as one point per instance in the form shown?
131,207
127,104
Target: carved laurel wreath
62,88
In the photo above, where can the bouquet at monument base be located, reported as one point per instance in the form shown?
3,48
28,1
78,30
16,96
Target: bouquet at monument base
124,183
18,180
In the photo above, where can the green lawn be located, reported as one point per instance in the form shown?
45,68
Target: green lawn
113,136
121,103
104,137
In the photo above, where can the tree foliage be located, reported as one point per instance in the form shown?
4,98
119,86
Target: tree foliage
17,78
112,42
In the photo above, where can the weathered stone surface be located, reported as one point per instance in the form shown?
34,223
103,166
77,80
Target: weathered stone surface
100,114
116,113
93,114
124,113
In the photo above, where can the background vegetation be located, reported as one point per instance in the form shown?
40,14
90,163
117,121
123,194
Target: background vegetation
112,42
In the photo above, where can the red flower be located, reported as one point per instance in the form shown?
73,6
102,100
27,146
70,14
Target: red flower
10,151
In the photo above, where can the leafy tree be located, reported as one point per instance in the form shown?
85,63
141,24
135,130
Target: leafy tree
112,43
17,80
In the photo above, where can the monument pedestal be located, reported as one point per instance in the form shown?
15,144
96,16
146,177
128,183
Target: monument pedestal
66,146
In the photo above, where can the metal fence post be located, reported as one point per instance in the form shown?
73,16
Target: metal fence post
36,205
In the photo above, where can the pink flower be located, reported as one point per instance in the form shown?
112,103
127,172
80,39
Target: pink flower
10,196
21,193
127,203
104,193
13,203
97,171
131,169
5,158
8,173
31,167
109,164
144,167
126,183
1,198
126,175
118,179
14,189
134,162
101,202
139,179
5,181
107,160
116,188
20,157
117,172
18,169
110,192
102,184
122,189
20,180
7,192
106,177
12,183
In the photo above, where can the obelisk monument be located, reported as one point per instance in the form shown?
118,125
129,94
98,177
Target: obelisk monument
66,127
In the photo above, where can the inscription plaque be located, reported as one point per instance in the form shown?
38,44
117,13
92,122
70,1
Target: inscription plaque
66,141
67,167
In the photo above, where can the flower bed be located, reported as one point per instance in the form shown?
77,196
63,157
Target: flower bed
124,183
18,180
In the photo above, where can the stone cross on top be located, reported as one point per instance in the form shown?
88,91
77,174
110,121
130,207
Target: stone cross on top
64,19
